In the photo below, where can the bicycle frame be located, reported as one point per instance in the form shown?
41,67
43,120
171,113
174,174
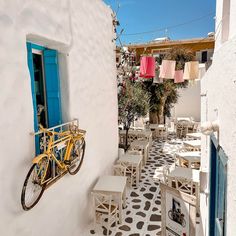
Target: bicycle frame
65,140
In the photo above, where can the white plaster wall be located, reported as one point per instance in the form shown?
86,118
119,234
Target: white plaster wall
219,86
189,102
218,101
82,32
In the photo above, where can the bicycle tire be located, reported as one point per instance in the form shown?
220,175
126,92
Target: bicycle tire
75,171
25,206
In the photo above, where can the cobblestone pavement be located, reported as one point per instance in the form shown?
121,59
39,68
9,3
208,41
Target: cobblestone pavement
142,216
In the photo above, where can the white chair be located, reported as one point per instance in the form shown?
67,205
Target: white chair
185,185
182,128
121,152
134,152
119,169
105,210
126,169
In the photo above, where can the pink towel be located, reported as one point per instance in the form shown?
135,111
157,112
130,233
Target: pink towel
167,69
147,67
179,76
191,70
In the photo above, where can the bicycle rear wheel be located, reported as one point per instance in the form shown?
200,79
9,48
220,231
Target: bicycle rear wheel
32,189
76,156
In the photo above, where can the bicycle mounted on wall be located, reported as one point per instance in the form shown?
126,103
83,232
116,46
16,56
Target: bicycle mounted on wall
62,151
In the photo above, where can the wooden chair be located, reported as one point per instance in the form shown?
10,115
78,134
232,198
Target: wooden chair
105,210
182,128
134,152
126,169
185,185
119,169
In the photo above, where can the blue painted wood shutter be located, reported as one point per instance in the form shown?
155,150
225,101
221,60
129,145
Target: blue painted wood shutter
221,178
52,87
218,189
31,70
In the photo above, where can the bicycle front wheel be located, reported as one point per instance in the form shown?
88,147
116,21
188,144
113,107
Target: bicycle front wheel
76,156
33,189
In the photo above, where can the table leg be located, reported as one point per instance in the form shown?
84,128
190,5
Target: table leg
189,164
137,175
120,208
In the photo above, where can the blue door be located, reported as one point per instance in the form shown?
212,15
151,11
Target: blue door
218,189
45,87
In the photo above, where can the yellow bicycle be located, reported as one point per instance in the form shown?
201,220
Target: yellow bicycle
47,167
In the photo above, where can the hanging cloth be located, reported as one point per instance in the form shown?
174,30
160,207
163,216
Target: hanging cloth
157,79
191,70
202,70
147,67
167,69
179,76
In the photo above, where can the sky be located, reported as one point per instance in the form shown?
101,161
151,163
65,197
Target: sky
183,19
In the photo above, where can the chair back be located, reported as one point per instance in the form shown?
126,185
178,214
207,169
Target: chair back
102,202
119,169
182,128
185,185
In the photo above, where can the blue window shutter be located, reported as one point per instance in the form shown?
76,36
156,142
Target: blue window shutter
31,70
52,87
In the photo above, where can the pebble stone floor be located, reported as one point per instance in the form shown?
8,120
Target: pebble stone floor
142,216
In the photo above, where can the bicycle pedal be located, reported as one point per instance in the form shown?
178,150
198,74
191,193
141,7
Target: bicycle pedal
67,162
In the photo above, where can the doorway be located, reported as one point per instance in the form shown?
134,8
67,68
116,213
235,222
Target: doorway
39,84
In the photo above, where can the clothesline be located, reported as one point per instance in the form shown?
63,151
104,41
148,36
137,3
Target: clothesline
167,70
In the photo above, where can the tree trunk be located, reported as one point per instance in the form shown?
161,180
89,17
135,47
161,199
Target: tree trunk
126,139
153,117
161,112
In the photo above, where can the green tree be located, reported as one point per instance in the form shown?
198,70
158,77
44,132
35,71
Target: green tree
133,102
164,96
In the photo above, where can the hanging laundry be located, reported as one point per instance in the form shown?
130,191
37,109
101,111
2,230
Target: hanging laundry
179,76
191,70
157,79
147,67
202,70
167,69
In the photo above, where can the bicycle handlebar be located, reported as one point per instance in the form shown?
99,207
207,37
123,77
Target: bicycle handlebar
64,133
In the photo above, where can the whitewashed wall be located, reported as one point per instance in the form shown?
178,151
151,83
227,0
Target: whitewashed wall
218,89
82,33
189,104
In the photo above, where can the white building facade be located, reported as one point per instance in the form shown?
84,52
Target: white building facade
218,102
78,37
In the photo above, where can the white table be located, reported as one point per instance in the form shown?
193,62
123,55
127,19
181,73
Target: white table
194,135
181,172
114,185
135,160
194,144
156,126
190,157
184,118
147,134
160,130
141,145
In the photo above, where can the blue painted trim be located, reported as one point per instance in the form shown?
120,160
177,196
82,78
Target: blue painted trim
31,71
53,92
212,176
36,46
218,188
